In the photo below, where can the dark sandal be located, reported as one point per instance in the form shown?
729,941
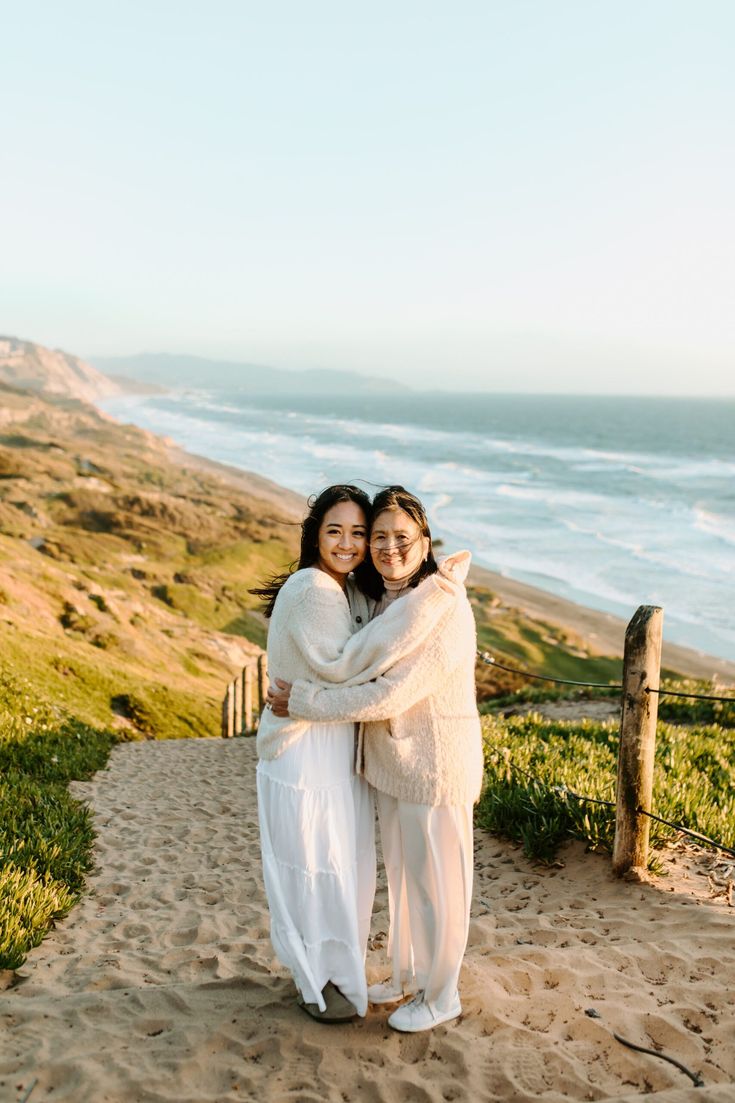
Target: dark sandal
338,1009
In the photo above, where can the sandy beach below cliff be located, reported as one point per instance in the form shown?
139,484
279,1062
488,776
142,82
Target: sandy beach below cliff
161,985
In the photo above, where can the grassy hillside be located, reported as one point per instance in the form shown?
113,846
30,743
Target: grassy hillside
123,576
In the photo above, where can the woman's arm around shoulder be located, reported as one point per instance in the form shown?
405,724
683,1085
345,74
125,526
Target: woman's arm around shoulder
410,680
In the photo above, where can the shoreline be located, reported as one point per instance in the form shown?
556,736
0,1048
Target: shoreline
603,633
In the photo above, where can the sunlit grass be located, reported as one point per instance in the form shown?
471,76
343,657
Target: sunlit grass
694,782
46,835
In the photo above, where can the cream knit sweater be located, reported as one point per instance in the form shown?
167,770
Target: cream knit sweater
311,637
421,737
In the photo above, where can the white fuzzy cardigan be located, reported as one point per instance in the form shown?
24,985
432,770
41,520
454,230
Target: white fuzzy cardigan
311,637
421,738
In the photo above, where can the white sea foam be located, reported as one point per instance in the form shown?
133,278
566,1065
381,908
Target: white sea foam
715,525
552,496
442,501
655,465
611,528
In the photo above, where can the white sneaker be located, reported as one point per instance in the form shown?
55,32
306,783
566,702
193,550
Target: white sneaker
418,1015
384,993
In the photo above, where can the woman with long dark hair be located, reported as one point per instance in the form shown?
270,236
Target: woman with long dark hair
316,815
420,749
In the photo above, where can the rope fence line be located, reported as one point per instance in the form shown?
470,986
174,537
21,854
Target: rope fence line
246,694
565,791
687,831
490,660
695,696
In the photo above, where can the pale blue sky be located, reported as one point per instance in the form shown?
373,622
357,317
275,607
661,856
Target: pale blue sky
515,195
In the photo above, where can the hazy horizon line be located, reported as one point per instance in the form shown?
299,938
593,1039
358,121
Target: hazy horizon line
410,386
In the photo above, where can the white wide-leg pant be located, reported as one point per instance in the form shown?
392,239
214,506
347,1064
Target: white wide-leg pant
317,839
428,858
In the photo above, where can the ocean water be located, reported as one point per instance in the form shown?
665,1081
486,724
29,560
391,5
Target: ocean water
612,502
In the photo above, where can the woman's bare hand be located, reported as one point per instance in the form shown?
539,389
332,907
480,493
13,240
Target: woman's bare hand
278,697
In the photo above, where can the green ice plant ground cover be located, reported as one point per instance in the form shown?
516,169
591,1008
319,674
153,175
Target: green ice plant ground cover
46,835
694,780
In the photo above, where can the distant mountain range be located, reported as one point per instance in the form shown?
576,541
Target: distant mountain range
28,366
170,370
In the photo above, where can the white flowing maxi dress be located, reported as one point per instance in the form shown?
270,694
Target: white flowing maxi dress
318,845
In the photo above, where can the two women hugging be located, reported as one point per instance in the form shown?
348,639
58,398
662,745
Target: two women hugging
371,646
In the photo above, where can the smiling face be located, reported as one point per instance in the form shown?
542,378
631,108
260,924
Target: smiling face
342,540
396,545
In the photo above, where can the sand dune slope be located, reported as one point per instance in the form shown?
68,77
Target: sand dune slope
162,985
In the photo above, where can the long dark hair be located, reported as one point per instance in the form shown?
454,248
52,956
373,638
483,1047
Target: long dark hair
397,497
366,576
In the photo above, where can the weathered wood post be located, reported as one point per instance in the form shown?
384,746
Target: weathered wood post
247,698
237,684
262,680
641,669
228,712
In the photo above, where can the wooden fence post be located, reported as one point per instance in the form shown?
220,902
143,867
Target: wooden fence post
247,698
239,700
262,680
237,685
228,712
641,669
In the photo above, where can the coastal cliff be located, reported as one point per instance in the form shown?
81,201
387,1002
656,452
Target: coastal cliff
34,367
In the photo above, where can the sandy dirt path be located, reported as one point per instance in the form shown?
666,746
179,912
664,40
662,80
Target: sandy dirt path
161,985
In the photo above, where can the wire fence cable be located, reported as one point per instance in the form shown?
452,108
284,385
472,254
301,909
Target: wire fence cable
693,696
687,831
564,790
490,660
